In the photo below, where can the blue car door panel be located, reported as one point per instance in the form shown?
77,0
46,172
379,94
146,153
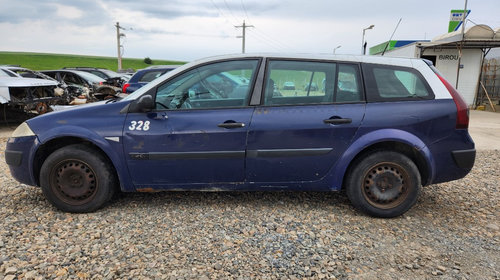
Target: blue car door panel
300,132
294,144
197,134
187,146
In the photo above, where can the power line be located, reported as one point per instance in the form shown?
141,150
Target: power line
259,34
221,13
245,10
230,11
269,43
271,39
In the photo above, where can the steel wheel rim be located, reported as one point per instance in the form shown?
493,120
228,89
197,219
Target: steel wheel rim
386,185
74,182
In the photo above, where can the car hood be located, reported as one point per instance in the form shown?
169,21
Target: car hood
25,82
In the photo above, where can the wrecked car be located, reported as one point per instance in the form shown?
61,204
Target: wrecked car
31,95
112,78
26,73
93,87
72,94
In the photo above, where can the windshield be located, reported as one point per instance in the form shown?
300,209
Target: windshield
7,73
90,77
110,73
160,79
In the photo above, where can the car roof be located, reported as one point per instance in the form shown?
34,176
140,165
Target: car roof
15,68
400,61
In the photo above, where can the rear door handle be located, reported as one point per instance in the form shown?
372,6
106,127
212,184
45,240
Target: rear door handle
231,124
337,121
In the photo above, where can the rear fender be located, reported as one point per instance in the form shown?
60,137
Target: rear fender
362,143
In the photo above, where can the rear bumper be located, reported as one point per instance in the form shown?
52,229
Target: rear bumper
453,157
464,158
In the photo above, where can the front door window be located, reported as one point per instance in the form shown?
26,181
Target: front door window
219,85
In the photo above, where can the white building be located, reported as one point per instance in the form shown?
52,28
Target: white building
444,51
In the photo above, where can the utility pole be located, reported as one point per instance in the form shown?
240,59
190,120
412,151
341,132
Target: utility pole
461,44
118,45
244,26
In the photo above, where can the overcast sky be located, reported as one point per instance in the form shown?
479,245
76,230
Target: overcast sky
190,29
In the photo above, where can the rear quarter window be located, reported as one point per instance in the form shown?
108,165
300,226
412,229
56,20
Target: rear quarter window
394,83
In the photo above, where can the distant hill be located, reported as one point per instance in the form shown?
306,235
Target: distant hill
48,61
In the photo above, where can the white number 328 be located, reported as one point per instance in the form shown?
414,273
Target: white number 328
139,125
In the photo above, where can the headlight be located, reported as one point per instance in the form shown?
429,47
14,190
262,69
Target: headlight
22,130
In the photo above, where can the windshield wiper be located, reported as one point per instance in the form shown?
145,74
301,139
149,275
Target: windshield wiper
113,100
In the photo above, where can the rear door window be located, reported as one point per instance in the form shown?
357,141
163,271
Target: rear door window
394,83
348,84
311,82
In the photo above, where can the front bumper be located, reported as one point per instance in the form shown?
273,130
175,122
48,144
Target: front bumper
18,155
14,158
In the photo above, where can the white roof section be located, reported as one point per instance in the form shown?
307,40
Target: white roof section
476,32
479,36
497,33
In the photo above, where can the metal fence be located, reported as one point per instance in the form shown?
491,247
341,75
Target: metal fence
490,79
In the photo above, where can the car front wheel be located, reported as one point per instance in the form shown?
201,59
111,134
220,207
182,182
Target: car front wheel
383,184
77,178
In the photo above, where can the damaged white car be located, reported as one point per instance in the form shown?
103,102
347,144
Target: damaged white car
33,96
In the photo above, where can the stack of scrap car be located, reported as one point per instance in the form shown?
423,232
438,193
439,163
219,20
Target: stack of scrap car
36,93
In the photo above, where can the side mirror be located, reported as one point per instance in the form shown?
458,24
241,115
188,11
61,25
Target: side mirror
144,104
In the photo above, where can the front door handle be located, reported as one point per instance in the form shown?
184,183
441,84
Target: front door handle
158,115
334,120
231,124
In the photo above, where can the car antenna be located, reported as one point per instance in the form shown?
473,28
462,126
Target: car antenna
386,45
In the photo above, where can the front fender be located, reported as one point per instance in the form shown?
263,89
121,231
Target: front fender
383,135
112,149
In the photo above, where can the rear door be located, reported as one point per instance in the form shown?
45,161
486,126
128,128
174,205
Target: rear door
299,132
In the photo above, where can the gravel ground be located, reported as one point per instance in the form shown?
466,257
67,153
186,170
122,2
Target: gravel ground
452,233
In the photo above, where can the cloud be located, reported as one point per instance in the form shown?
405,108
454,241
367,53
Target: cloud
184,30
68,12
76,12
21,11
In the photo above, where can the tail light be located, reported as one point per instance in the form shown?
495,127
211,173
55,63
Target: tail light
125,86
462,109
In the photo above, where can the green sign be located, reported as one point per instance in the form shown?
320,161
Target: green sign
456,17
389,45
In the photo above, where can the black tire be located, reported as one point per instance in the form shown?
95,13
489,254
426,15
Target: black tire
77,179
383,184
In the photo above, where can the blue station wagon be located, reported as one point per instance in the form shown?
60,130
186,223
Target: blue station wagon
381,128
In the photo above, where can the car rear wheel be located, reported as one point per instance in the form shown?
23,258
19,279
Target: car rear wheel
383,184
77,178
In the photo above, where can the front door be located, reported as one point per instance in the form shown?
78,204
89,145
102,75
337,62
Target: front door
197,134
